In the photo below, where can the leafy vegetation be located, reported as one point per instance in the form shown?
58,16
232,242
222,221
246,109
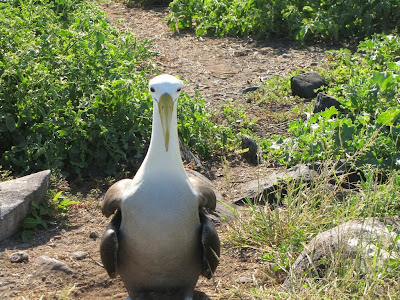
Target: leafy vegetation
73,96
71,89
48,213
208,131
368,131
73,92
294,19
364,132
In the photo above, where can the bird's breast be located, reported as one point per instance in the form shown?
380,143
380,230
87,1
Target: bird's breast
162,214
160,235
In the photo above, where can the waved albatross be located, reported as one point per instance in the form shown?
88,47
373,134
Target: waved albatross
160,240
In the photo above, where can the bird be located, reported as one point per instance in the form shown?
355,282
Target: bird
160,240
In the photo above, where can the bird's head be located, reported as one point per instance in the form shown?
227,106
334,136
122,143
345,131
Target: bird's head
165,90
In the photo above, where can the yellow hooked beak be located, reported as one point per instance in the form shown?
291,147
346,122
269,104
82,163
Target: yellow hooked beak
165,108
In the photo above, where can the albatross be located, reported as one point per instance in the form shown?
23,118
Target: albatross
160,239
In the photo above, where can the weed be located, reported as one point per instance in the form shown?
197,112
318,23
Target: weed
279,235
45,214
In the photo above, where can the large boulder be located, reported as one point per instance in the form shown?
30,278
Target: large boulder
16,197
305,84
364,242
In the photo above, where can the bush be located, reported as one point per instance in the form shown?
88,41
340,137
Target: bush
72,93
367,85
294,19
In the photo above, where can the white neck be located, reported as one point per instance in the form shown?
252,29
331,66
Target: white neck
157,159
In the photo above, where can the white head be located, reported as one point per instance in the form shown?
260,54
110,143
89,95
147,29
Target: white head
165,90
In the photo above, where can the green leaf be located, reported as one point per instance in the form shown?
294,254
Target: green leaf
308,9
389,117
10,123
30,222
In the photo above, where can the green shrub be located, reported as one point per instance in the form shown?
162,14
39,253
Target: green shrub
294,19
46,214
74,95
212,132
367,86
71,90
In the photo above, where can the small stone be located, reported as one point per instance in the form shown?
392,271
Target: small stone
48,263
251,146
305,84
79,255
244,280
250,89
325,101
19,257
94,235
240,53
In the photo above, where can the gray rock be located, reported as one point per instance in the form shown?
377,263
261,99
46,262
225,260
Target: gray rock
325,101
94,235
251,155
305,84
16,197
48,263
347,174
250,89
264,190
79,255
19,257
244,280
346,242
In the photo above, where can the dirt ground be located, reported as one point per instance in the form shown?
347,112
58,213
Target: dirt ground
220,68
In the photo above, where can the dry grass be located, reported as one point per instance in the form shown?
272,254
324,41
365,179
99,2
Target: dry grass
279,235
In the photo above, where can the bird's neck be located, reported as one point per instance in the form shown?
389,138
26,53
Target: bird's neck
157,159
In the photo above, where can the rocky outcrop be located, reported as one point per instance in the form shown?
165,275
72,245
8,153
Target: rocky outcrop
336,174
16,197
52,264
350,242
264,190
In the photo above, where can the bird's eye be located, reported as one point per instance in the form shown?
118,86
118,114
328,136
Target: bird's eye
152,90
178,90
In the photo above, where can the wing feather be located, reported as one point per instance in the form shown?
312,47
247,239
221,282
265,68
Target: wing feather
109,245
211,246
113,197
204,189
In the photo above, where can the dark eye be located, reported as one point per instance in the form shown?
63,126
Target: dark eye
178,90
152,90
